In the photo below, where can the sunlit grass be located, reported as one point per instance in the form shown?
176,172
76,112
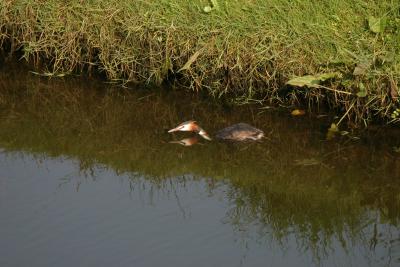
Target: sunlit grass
245,48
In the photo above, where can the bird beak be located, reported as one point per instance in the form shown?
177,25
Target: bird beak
175,129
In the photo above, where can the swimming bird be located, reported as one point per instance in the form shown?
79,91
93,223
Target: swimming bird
237,132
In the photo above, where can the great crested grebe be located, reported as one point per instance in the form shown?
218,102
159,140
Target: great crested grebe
237,132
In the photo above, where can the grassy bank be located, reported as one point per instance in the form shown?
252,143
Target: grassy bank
244,49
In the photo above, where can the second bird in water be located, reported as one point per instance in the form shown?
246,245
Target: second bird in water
237,132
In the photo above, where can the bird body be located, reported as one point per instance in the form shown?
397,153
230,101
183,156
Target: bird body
237,132
240,132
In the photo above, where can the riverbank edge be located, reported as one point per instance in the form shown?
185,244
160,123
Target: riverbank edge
332,53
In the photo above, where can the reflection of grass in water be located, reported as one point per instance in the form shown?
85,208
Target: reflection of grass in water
321,204
312,215
329,198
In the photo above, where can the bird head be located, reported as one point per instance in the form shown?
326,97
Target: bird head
191,126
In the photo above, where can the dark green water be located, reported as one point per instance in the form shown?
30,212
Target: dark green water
88,177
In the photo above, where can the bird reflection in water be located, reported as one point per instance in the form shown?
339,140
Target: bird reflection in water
187,141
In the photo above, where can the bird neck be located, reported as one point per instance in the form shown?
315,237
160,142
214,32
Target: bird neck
203,133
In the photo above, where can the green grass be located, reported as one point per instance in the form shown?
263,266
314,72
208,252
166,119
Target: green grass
240,49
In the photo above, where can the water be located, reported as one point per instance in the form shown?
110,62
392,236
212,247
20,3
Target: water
89,177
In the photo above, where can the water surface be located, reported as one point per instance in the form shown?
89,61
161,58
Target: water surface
89,177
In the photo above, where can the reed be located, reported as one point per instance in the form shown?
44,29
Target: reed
238,49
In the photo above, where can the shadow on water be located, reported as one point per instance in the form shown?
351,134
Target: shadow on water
293,184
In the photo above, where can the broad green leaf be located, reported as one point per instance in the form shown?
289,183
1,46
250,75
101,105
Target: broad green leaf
308,80
362,94
376,25
326,76
312,80
190,61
